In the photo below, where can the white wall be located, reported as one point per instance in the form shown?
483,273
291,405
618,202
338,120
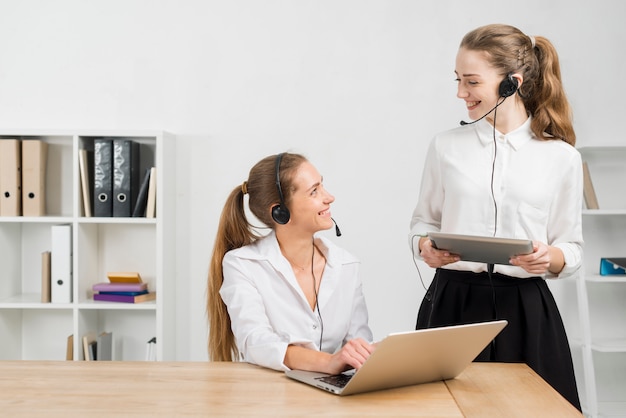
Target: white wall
358,86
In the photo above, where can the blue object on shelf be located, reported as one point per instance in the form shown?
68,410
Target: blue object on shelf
613,265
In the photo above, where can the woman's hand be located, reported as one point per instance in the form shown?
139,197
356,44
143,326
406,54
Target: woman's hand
433,257
544,258
352,355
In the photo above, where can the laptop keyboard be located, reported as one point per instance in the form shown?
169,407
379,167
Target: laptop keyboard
338,380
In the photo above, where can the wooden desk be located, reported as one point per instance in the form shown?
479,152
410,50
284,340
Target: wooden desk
91,389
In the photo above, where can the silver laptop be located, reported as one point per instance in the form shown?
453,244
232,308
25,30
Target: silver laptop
409,358
490,250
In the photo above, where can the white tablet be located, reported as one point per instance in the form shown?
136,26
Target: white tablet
490,250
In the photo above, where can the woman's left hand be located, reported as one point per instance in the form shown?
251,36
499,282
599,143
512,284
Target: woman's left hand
537,262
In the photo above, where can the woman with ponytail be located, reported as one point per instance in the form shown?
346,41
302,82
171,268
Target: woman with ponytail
514,173
289,299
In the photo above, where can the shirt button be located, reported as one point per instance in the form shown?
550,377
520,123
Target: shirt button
314,326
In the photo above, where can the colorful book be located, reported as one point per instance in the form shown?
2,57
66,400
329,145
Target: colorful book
142,292
125,298
119,287
124,277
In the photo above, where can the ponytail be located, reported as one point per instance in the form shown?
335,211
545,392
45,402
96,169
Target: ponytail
233,232
552,115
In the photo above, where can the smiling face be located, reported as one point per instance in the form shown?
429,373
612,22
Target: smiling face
309,203
477,81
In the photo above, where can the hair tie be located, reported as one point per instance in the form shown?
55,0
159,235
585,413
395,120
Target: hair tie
244,187
532,40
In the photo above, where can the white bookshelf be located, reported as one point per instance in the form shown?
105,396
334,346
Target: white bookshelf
32,330
602,299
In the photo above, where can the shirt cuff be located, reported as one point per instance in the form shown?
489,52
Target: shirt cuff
572,261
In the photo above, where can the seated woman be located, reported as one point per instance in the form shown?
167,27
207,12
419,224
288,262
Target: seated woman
287,300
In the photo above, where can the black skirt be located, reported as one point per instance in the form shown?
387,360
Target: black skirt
535,334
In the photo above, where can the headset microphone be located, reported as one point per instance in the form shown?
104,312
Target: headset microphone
463,123
337,230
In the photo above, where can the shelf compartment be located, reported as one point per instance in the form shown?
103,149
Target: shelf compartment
58,171
110,247
131,329
35,335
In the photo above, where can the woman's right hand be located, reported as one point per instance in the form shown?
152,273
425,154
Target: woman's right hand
351,356
433,257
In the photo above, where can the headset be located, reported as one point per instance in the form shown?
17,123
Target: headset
280,213
508,86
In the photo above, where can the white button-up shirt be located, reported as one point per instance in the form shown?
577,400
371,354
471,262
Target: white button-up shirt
537,188
269,311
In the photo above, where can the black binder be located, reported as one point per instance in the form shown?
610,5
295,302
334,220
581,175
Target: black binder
103,178
125,176
142,198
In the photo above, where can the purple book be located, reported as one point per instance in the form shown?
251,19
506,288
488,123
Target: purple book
119,287
124,298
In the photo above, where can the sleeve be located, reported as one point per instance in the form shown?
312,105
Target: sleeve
565,223
359,327
256,339
427,213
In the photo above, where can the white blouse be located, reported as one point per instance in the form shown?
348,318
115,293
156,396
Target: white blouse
537,188
269,311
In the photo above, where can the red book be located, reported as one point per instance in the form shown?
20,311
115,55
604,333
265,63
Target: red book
124,298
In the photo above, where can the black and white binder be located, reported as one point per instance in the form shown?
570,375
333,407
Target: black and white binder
61,264
125,176
103,178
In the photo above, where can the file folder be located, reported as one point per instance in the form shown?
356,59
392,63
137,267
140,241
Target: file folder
103,176
89,346
85,165
104,346
10,177
61,264
125,176
69,351
151,203
34,159
142,197
45,277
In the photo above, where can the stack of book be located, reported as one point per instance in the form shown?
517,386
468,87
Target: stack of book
123,287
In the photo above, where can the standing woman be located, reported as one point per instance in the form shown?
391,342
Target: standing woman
287,300
514,173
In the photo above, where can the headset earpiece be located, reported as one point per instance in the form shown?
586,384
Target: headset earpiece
508,86
280,213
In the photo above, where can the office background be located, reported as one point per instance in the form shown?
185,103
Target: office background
358,86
